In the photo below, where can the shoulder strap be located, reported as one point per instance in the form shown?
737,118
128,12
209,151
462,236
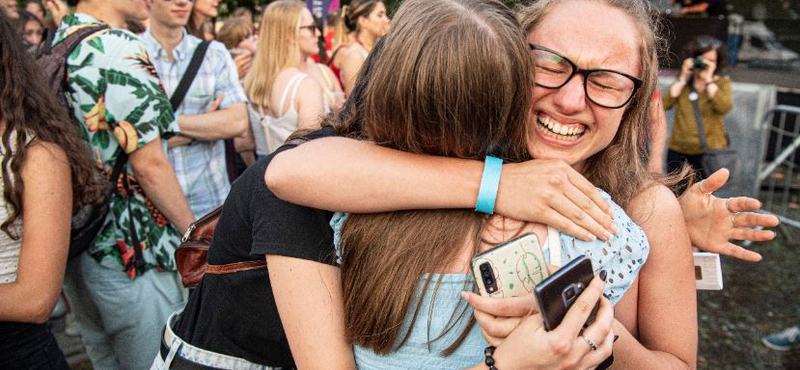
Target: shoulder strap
119,171
330,61
697,117
324,73
69,43
293,84
189,75
232,268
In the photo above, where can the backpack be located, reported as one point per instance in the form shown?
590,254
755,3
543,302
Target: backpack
87,221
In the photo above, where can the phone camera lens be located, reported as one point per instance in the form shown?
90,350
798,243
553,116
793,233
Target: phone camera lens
484,266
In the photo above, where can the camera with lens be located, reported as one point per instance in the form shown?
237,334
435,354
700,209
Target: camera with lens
488,277
698,64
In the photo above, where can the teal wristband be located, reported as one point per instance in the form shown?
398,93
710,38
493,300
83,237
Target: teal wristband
489,184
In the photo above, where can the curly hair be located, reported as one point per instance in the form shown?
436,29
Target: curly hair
29,110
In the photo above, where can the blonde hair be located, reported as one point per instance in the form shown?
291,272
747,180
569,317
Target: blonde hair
340,31
277,46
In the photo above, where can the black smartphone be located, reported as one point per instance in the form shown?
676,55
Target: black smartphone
557,293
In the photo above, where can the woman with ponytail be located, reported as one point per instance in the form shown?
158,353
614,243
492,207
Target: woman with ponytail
368,21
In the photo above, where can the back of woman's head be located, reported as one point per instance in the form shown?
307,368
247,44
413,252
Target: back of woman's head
29,110
454,79
620,168
277,48
451,78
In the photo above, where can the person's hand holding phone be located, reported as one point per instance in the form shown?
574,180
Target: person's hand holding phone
569,345
498,317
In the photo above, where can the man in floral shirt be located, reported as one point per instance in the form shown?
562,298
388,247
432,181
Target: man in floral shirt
120,302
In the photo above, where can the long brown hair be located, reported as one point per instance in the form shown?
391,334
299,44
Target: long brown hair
29,110
621,168
454,79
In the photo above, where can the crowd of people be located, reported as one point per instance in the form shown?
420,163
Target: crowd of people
348,183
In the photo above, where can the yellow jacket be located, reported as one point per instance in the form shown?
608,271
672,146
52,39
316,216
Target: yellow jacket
685,139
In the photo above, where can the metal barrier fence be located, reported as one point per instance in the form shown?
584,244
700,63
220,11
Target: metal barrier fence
779,173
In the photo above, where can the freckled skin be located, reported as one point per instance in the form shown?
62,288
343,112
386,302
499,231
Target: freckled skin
590,43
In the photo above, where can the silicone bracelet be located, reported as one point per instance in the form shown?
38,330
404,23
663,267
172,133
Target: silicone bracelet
487,194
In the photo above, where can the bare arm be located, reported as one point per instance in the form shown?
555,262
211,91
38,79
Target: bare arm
663,305
349,71
314,320
658,139
699,8
352,176
310,104
158,180
246,146
47,201
220,124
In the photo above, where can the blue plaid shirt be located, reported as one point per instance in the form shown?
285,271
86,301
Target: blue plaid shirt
200,166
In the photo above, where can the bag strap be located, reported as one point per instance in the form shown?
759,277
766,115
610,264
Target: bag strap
188,77
70,42
230,268
119,170
697,117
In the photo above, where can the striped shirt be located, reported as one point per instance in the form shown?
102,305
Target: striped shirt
200,166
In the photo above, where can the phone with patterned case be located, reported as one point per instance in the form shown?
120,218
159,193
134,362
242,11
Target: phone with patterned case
511,269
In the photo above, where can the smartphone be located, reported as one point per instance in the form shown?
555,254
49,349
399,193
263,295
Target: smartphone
511,269
557,293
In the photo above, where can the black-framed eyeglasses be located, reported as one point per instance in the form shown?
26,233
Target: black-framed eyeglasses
311,27
604,87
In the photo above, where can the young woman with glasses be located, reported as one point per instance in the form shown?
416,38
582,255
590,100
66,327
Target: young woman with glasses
283,95
589,110
390,258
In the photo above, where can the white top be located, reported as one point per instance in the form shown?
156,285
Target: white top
9,248
277,129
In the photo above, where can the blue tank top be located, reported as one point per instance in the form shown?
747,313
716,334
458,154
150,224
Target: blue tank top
622,257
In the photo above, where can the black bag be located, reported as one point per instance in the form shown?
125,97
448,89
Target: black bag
87,221
713,159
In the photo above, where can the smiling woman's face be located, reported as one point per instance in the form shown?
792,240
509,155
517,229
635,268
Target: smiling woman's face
565,124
